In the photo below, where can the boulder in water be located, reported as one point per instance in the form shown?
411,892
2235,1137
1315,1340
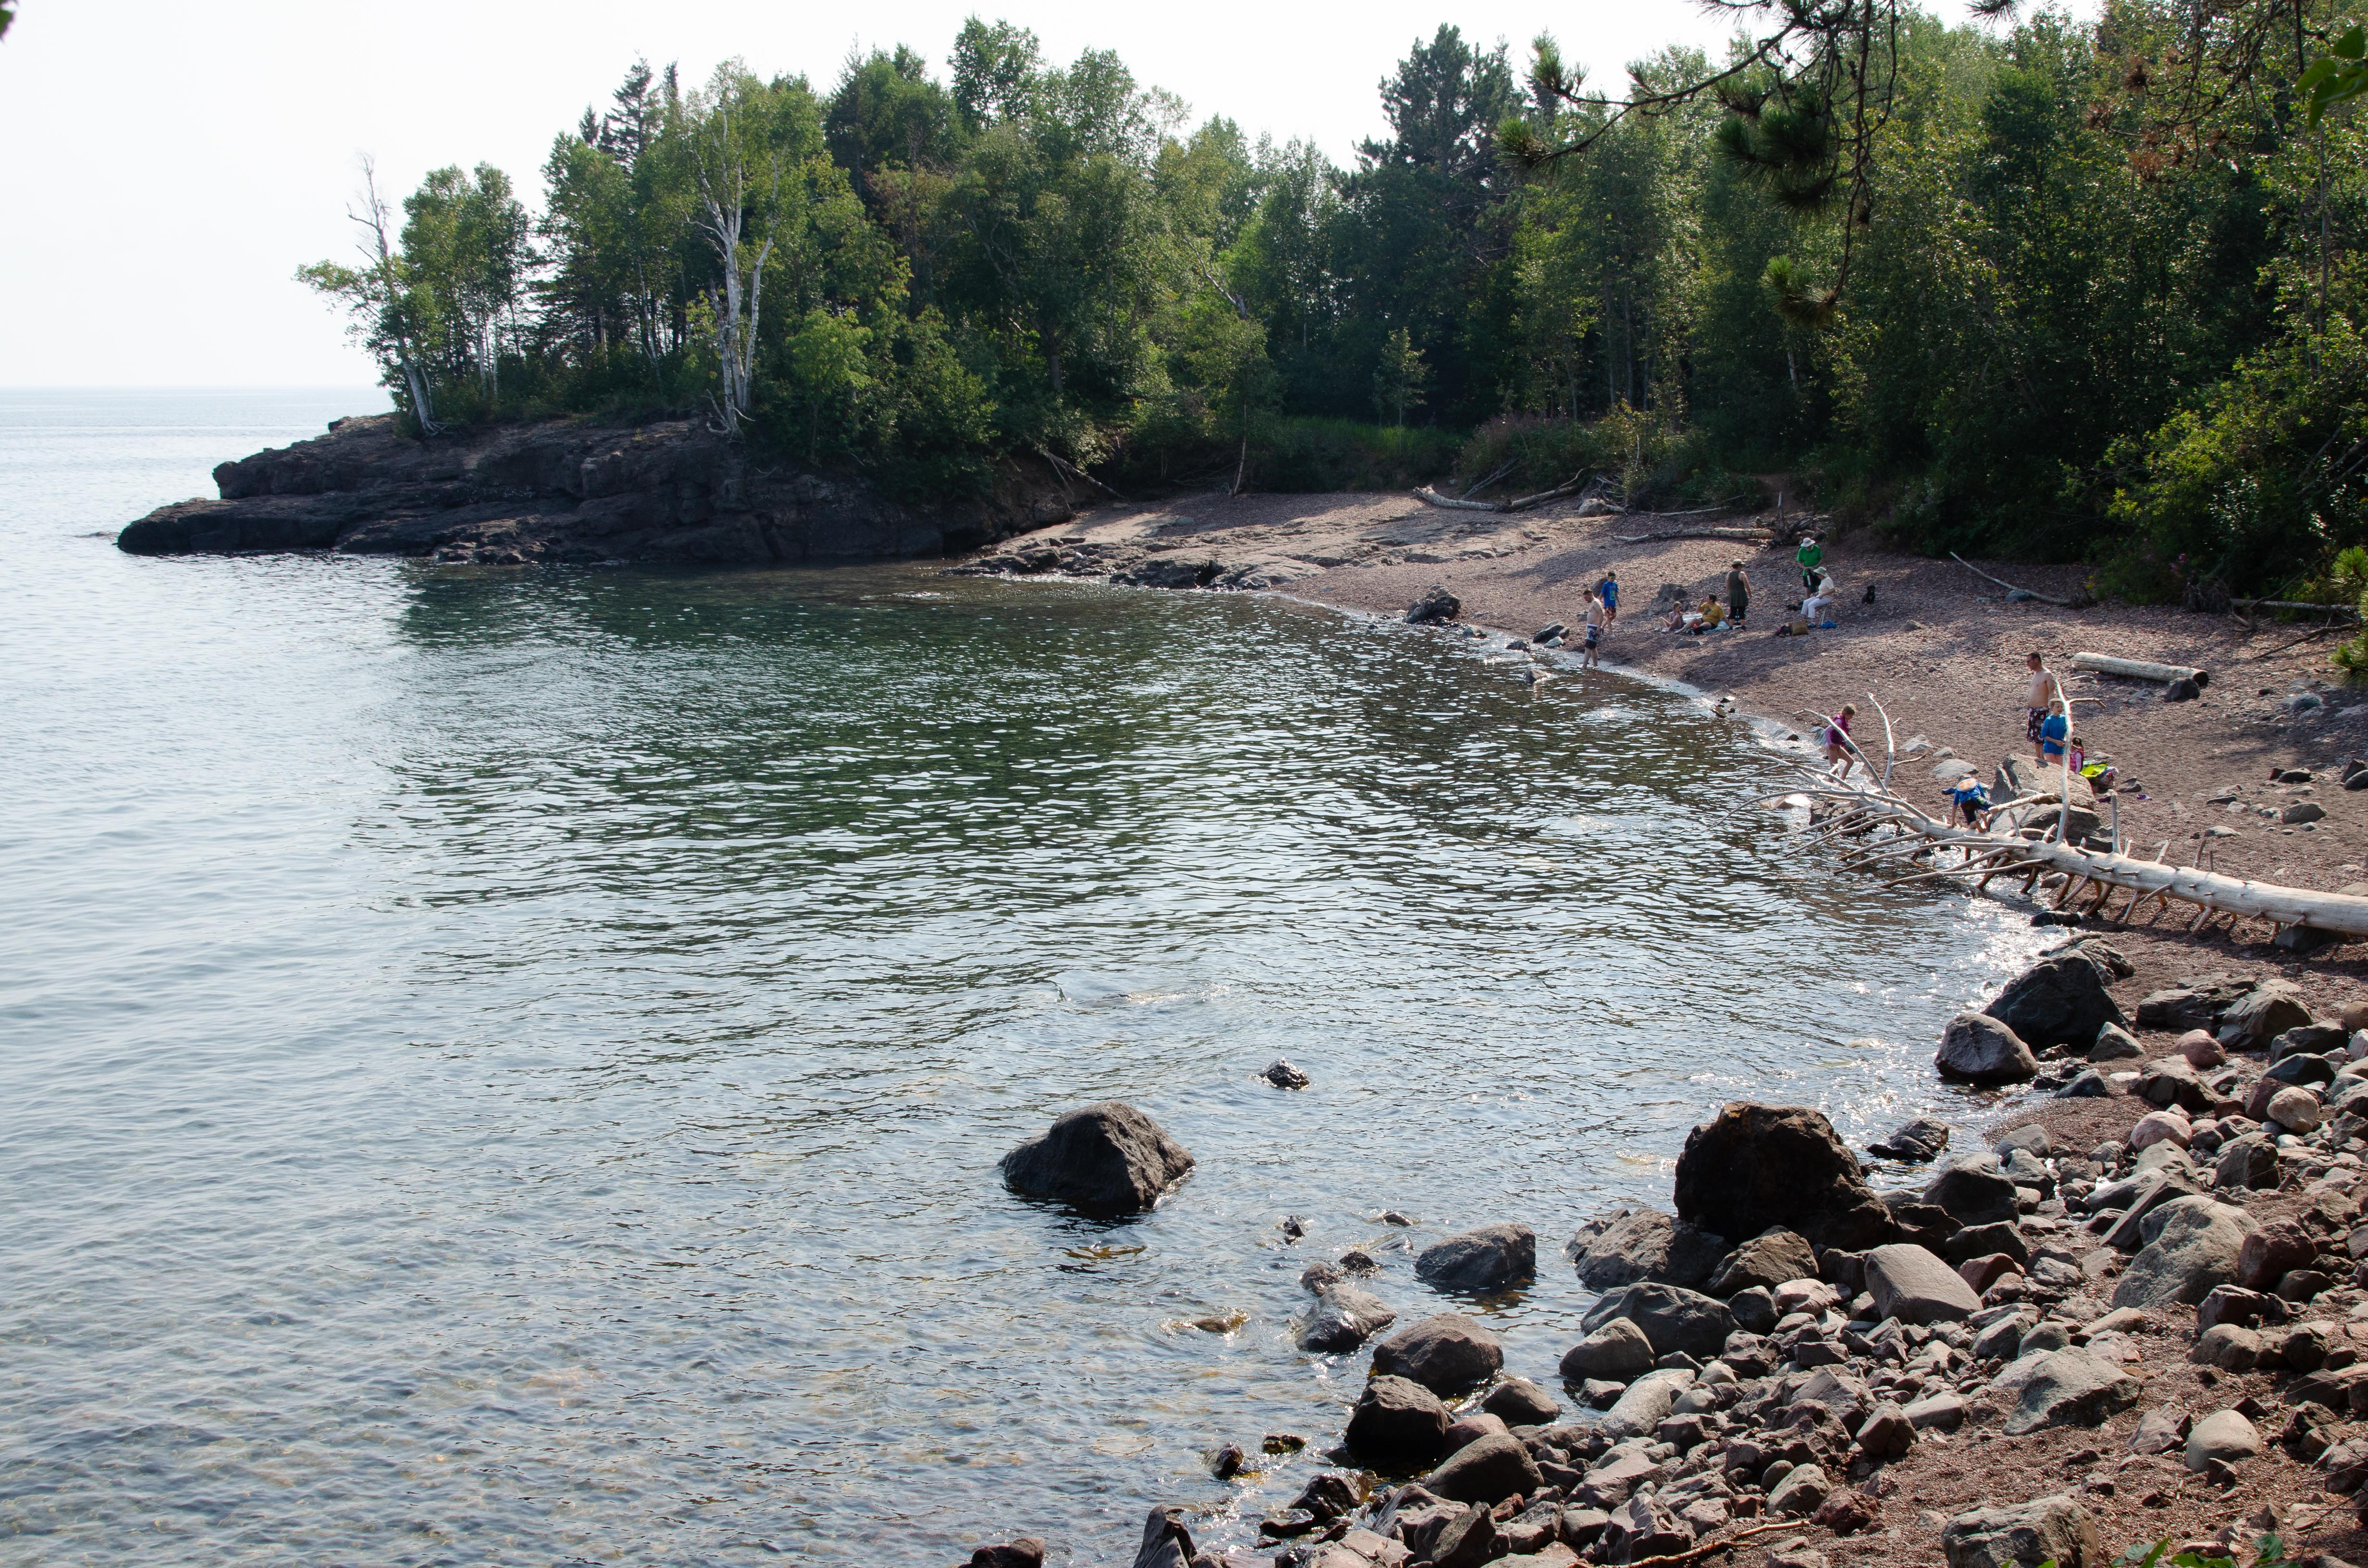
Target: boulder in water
1107,1158
1493,1257
1344,1318
1978,1049
1283,1076
1754,1166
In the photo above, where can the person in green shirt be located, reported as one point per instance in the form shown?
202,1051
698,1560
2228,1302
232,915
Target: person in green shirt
1808,557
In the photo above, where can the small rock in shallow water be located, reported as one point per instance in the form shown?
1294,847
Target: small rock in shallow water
1283,1443
1293,1227
1227,1461
1391,1217
1316,1277
1283,1076
1027,1551
1357,1260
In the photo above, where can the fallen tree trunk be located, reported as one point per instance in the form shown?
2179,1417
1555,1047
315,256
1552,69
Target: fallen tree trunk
2011,589
1430,497
1745,536
1871,805
2352,610
2140,669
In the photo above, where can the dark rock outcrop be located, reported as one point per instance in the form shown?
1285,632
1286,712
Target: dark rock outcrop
1107,1158
1757,1167
573,489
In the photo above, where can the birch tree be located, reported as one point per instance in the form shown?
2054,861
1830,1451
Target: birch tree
380,300
737,162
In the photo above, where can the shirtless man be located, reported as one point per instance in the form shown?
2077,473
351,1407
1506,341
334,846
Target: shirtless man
1597,618
2044,689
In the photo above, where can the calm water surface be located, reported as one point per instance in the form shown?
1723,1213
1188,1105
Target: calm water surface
508,1067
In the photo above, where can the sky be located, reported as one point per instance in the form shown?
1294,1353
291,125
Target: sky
172,164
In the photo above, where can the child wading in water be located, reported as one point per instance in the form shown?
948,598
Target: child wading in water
1596,615
1838,738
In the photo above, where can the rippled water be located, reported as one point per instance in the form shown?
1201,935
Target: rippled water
508,1067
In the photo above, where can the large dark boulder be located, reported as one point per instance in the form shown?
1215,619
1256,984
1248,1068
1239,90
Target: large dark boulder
1494,1257
1977,1049
1396,1424
1631,1244
2060,1000
1756,1167
1672,1319
1447,1354
1107,1158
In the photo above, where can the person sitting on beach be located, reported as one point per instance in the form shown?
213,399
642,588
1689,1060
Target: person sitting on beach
1820,602
1710,613
1678,614
1971,800
1837,741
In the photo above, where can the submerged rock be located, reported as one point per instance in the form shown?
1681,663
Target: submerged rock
1108,1157
1283,1076
1344,1318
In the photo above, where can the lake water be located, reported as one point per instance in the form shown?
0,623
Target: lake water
509,1067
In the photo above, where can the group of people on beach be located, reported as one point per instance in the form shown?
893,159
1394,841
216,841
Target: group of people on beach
2047,727
1712,613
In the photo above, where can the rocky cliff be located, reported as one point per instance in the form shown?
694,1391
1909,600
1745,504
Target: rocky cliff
573,491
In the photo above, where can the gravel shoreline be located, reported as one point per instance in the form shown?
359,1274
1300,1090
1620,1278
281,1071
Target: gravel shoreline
2160,1334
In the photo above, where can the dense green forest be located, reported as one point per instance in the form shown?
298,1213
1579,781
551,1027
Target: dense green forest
2081,290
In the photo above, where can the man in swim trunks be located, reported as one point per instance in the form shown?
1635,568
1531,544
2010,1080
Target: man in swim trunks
2044,689
1596,616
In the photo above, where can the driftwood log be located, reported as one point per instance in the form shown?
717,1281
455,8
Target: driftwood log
2140,669
1870,806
